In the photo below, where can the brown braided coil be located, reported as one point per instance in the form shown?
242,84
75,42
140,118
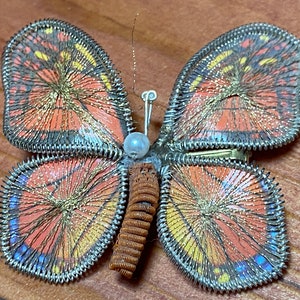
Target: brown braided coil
141,208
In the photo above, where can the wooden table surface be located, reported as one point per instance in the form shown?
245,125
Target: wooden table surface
167,33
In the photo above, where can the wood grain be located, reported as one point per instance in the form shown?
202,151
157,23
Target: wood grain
167,33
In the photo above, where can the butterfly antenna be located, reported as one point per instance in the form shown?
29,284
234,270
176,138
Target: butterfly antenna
133,53
148,97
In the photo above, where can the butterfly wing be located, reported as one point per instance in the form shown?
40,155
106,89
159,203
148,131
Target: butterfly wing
61,92
222,223
59,214
241,90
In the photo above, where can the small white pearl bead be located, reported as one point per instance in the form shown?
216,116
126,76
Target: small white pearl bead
136,145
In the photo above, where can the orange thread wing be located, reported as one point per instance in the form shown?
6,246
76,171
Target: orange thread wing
60,215
222,224
62,92
240,90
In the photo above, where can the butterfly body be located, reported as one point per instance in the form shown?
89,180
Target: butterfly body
220,219
141,208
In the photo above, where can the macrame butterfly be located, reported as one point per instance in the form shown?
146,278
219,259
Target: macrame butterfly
219,218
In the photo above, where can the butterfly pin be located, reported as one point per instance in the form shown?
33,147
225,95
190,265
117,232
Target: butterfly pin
219,218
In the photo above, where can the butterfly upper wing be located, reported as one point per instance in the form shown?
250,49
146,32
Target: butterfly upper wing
59,214
241,90
222,223
62,92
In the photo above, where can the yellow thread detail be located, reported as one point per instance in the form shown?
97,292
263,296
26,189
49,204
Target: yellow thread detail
49,30
219,58
227,69
200,270
41,55
65,55
217,271
77,65
106,81
195,83
264,38
184,238
55,269
243,60
86,53
247,69
224,278
267,61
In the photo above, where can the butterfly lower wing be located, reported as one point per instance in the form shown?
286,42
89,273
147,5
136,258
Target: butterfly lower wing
222,223
59,214
241,90
62,92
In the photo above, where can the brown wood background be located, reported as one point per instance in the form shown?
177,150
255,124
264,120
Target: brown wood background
167,33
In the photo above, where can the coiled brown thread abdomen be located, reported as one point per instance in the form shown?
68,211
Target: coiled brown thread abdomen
141,208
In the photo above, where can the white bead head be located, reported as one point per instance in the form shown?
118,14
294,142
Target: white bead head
136,145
